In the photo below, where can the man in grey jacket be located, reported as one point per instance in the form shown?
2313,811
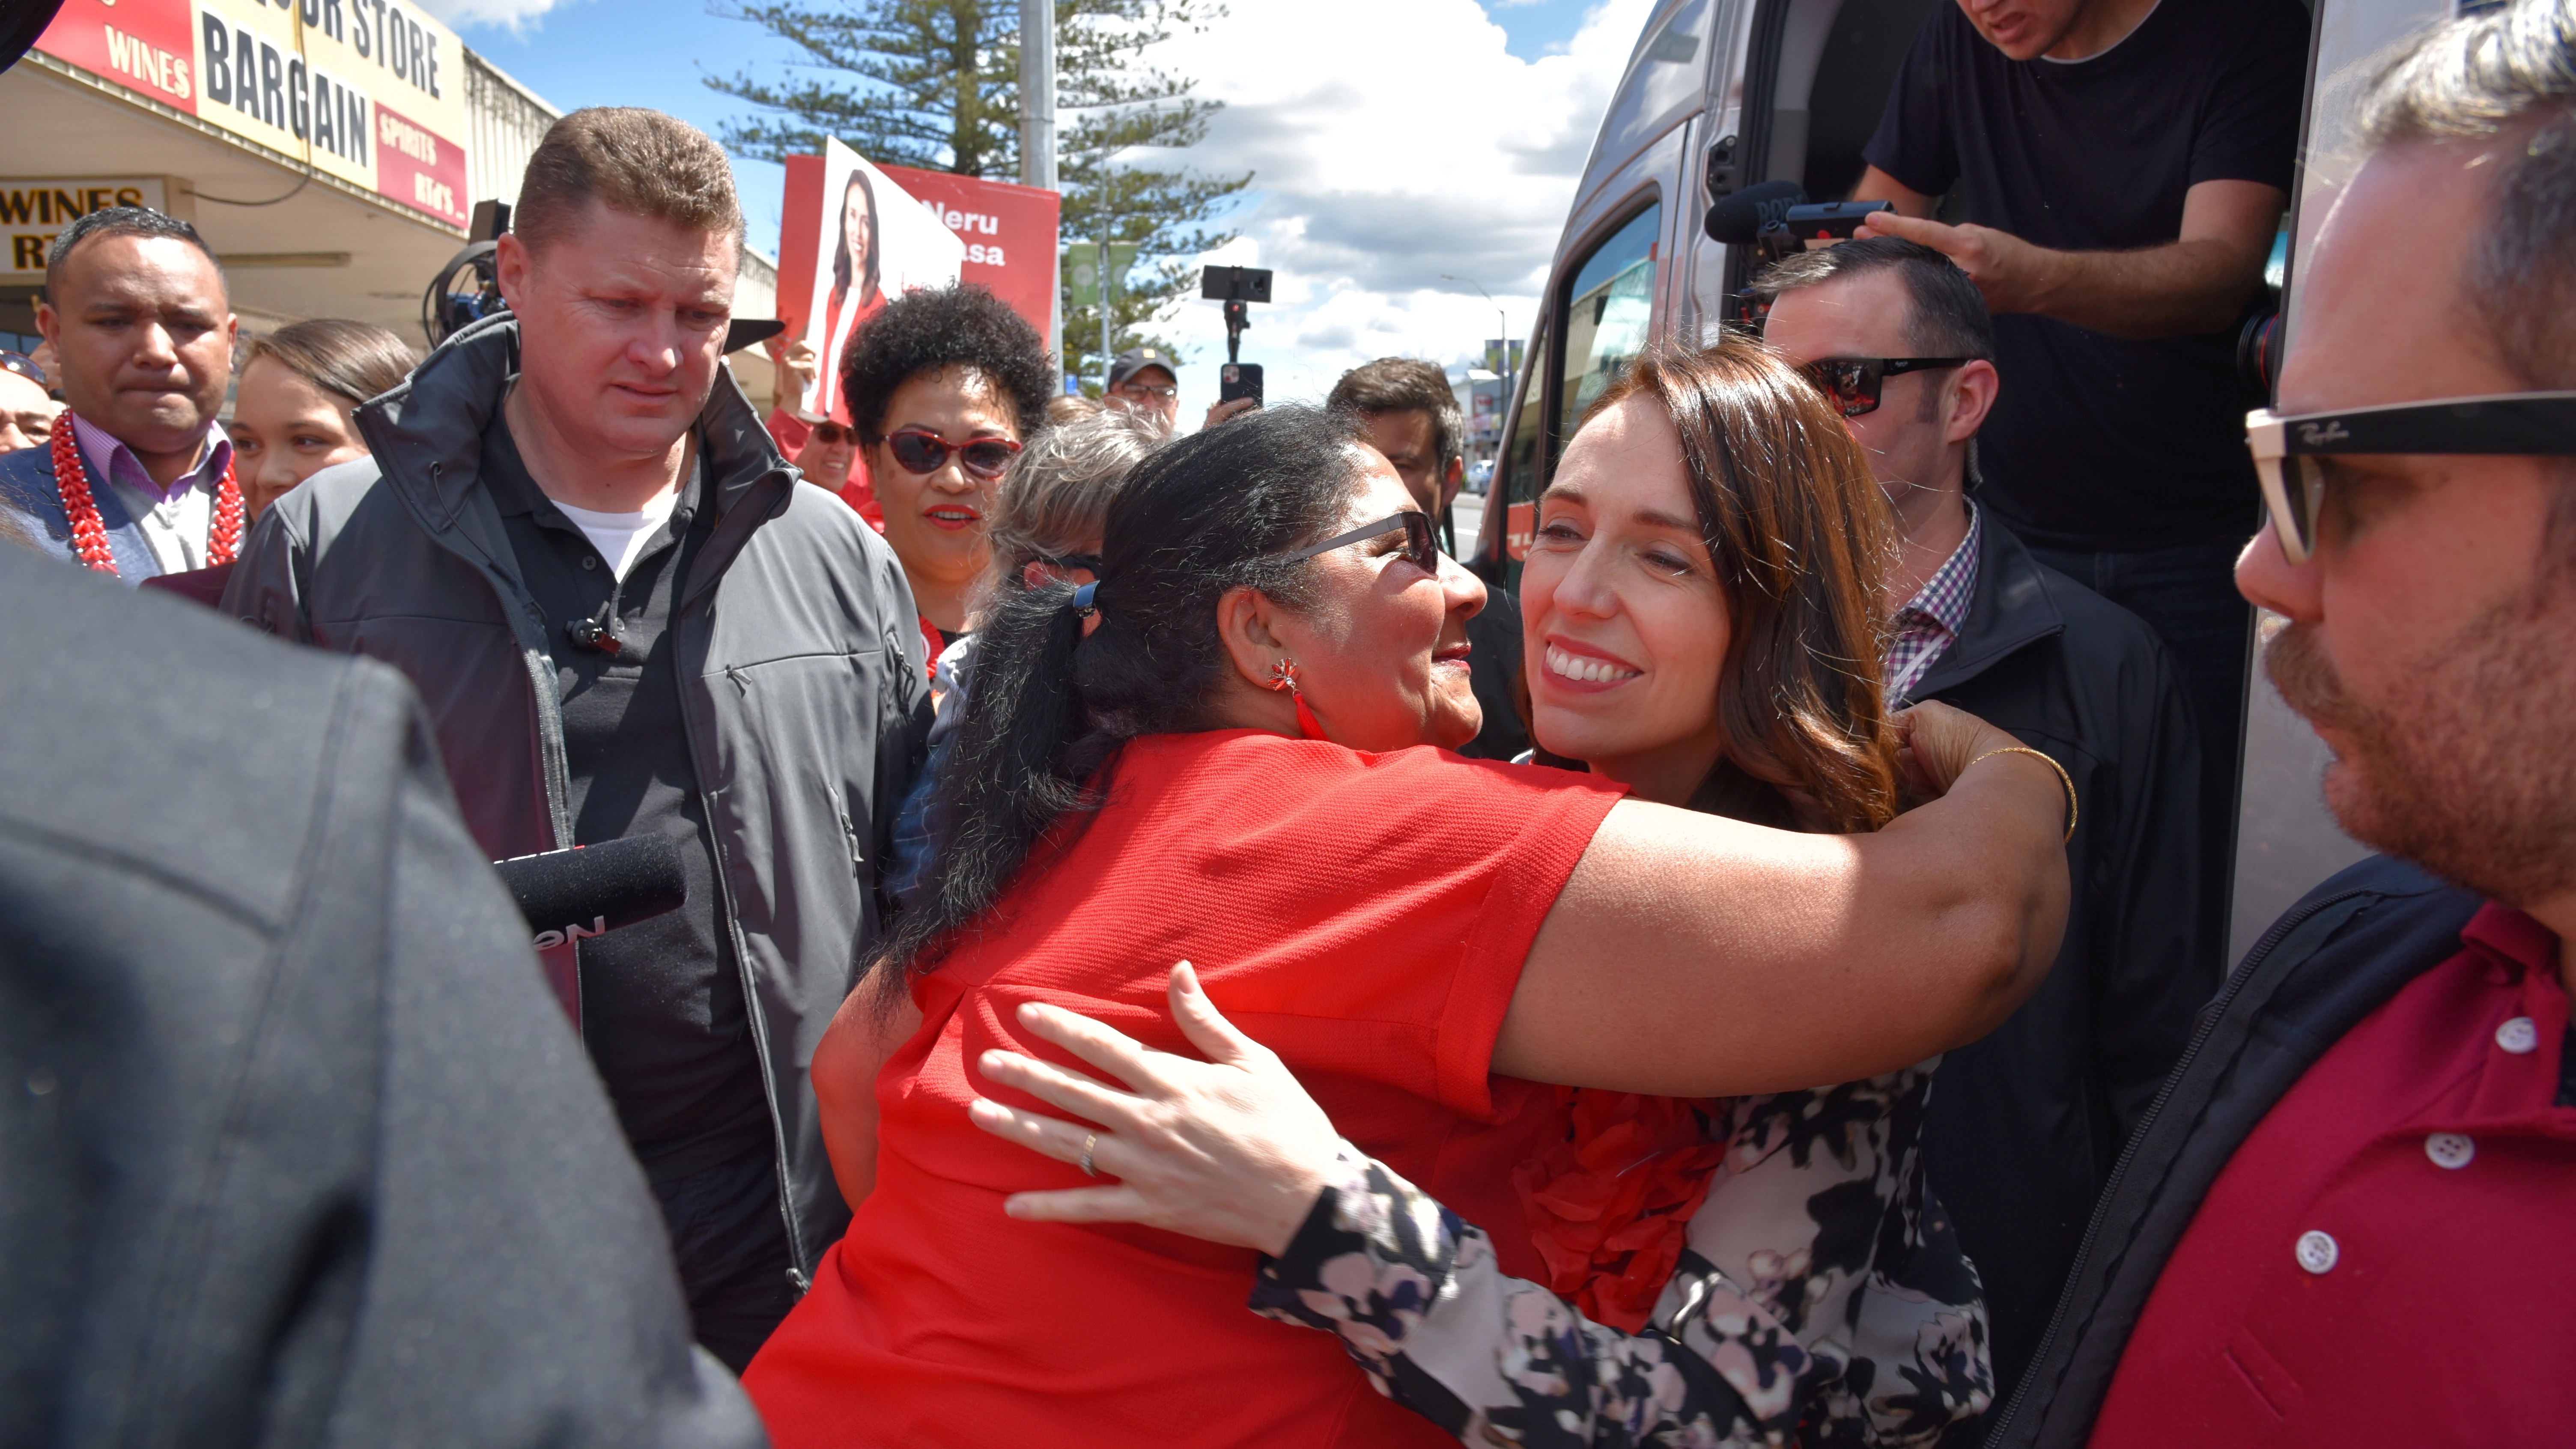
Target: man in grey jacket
576,538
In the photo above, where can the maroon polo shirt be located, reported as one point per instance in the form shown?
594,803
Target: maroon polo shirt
2390,1258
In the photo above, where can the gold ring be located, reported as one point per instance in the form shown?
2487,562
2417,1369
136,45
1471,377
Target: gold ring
1089,1144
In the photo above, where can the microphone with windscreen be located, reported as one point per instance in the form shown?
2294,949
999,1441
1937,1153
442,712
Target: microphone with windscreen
1742,216
590,890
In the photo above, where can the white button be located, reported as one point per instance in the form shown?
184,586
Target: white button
2518,1035
2317,1252
2450,1149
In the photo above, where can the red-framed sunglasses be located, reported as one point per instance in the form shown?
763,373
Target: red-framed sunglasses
924,453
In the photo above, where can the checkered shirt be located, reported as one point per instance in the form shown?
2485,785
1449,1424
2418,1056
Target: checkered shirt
1930,621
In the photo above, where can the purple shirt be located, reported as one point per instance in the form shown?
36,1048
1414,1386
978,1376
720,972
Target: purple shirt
173,521
1930,621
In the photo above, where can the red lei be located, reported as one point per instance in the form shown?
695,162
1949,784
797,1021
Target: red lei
1610,1205
89,534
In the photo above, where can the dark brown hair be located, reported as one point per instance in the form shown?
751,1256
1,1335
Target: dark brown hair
632,159
357,360
1406,384
1800,536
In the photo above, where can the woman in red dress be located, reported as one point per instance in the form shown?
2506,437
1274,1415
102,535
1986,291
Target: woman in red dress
1207,755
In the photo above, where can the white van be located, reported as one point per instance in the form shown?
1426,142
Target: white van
1722,94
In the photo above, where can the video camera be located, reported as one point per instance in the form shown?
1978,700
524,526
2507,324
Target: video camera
1776,220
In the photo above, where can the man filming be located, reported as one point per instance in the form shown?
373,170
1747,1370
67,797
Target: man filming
2122,166
578,540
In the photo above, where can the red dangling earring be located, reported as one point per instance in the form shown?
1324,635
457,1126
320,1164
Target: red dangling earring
1283,675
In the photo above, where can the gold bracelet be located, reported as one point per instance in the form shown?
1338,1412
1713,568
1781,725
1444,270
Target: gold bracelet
2063,778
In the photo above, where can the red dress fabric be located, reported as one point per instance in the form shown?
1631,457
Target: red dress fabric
2383,1259
1365,916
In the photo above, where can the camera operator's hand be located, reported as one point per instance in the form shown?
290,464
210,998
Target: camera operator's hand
1230,408
2014,275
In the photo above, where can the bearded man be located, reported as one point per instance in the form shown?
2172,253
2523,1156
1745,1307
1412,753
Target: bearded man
136,479
2345,1222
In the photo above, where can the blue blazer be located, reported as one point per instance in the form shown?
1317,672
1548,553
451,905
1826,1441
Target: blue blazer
27,490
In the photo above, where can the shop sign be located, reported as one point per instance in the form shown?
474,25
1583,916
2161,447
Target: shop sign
370,91
33,210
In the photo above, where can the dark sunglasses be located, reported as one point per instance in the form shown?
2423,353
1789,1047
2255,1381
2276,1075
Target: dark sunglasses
25,366
830,432
923,454
1421,546
1853,383
2286,449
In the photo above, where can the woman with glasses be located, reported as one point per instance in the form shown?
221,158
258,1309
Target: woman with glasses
1211,753
1700,571
944,386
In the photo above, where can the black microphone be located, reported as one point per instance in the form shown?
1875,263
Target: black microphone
1739,218
591,890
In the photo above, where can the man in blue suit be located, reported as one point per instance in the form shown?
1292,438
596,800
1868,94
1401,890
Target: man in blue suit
138,480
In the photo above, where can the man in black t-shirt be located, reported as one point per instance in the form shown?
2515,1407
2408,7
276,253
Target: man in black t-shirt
2122,165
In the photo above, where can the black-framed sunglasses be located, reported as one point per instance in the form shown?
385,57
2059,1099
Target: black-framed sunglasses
1853,383
2286,447
1421,546
922,454
25,366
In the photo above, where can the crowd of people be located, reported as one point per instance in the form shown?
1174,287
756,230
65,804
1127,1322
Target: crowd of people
1760,982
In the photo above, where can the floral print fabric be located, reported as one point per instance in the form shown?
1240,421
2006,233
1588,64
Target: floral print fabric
1822,1299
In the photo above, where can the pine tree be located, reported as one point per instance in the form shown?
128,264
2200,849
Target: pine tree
935,84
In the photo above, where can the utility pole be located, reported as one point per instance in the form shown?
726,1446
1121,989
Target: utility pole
1037,133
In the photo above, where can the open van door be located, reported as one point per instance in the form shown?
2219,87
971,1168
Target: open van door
2286,841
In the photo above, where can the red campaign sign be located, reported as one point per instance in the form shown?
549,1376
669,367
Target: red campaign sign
1009,232
418,168
148,45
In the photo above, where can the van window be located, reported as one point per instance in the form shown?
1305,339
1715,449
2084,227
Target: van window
1671,66
1608,310
1522,468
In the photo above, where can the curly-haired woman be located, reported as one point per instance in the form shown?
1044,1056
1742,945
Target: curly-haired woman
943,386
1211,753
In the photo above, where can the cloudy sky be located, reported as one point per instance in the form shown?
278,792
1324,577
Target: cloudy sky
1392,141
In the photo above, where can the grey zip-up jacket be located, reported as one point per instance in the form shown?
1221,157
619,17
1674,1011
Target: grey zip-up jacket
803,688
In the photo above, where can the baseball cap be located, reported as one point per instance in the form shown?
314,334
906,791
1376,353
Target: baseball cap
1136,359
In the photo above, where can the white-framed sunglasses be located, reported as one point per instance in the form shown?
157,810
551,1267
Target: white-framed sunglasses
2286,447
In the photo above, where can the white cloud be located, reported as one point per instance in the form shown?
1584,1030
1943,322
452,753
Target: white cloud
1393,141
511,13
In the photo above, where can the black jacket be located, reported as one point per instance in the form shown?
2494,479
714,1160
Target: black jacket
2336,957
803,692
2024,1125
294,1148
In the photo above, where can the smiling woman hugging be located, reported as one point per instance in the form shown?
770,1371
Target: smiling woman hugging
1701,612
944,386
1229,748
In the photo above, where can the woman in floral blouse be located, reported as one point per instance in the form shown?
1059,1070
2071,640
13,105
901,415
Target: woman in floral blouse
1755,1270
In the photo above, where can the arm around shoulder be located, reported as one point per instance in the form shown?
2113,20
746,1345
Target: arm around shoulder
1692,955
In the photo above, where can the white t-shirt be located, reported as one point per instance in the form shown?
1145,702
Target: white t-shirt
619,537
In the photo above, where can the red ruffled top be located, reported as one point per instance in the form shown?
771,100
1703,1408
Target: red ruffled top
1610,1204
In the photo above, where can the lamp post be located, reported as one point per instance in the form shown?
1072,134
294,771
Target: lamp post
1502,363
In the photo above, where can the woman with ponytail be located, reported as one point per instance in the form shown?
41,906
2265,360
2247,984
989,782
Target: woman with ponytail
1215,753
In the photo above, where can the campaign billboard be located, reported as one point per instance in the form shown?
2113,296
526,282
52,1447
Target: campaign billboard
1009,231
369,91
849,238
